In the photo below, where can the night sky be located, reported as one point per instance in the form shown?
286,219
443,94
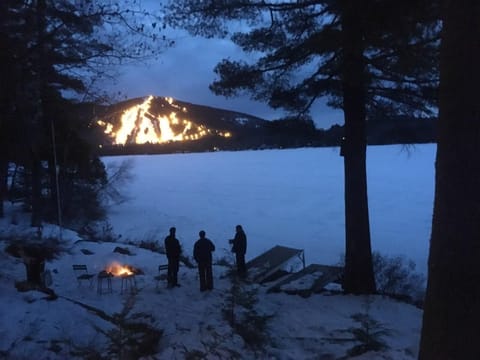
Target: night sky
185,71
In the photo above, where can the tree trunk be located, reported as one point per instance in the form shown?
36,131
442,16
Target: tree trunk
36,174
3,183
38,116
35,267
53,210
451,320
358,275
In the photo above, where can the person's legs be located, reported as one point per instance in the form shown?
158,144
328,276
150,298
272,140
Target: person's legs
241,268
209,276
175,272
202,275
171,272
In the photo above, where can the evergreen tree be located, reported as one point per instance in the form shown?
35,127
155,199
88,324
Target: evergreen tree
360,55
54,49
452,313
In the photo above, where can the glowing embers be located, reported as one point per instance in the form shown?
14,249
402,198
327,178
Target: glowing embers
117,269
139,125
125,272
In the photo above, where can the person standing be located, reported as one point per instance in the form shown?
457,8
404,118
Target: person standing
173,251
202,253
239,247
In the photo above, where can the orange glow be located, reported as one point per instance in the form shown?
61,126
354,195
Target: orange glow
117,269
138,125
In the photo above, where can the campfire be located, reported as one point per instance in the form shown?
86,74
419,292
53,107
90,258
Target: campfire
117,269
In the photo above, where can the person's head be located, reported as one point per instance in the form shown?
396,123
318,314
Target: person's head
239,228
172,230
202,234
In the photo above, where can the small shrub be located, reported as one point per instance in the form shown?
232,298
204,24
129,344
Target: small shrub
396,276
369,334
148,241
133,337
240,313
101,231
253,327
152,246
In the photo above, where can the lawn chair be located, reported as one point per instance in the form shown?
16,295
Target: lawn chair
82,274
161,276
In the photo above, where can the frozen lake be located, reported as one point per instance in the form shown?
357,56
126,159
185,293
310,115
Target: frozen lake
290,197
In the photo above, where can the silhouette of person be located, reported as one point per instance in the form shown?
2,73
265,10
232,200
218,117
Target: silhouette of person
173,251
202,253
239,247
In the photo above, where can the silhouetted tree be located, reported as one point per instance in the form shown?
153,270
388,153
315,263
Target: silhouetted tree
357,54
452,312
53,49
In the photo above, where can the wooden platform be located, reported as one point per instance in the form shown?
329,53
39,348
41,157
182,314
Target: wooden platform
261,268
315,277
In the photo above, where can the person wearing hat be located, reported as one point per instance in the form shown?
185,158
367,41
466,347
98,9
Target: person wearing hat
173,251
202,253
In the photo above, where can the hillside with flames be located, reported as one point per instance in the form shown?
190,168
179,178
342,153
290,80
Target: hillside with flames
156,124
162,122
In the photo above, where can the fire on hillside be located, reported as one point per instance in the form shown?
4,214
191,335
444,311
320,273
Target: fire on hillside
139,125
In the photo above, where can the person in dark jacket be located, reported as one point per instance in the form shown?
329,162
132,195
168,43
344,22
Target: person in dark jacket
239,247
202,253
173,251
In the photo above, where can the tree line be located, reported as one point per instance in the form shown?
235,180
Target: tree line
53,54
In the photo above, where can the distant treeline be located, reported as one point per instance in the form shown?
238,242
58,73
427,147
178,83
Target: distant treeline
292,133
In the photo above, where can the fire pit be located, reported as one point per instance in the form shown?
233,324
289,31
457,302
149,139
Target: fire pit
117,269
125,272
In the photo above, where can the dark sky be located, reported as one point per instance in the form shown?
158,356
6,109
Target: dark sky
184,72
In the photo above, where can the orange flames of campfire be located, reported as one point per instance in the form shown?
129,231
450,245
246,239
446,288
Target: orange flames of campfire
118,269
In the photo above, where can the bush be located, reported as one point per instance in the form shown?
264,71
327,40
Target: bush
152,246
396,276
242,316
99,231
132,337
369,334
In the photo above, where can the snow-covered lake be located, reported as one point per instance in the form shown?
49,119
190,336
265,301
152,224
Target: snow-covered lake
288,197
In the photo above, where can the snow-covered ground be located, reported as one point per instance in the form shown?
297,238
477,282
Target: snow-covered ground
287,197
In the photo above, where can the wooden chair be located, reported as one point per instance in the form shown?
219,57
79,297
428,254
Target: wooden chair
161,276
82,274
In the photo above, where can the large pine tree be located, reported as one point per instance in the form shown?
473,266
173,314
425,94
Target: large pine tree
359,55
452,306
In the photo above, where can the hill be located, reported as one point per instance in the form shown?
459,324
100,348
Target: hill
164,125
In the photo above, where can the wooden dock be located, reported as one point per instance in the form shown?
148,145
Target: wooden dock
315,277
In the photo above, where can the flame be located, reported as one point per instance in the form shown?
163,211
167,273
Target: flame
139,126
118,269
